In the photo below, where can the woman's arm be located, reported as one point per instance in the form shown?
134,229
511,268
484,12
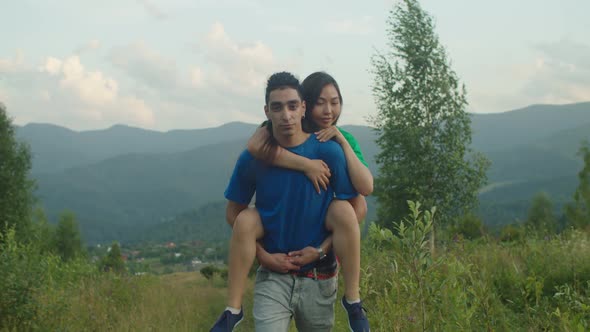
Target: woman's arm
360,175
316,170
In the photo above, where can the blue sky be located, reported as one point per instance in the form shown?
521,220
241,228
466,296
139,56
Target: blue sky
192,64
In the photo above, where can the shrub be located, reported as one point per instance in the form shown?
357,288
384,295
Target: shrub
209,271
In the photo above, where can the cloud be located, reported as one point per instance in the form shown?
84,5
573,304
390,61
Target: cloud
562,73
145,66
91,87
559,73
241,68
65,92
152,9
358,26
223,82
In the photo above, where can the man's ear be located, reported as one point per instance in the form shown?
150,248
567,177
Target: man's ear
266,111
303,107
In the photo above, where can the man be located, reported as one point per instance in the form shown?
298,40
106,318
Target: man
293,220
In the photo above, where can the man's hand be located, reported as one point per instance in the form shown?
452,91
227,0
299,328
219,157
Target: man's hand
318,173
279,263
304,256
327,134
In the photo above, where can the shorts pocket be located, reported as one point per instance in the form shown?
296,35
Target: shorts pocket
262,275
328,287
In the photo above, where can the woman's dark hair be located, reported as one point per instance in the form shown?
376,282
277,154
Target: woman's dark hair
311,88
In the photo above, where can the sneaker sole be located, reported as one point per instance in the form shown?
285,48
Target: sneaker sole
238,323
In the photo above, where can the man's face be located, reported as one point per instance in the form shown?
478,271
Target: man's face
285,109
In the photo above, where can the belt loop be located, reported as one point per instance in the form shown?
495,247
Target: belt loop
315,274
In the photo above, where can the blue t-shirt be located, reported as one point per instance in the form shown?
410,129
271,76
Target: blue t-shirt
292,212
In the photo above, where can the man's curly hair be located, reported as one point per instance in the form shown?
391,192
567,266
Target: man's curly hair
282,80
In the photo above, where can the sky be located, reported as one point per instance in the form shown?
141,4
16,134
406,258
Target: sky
185,64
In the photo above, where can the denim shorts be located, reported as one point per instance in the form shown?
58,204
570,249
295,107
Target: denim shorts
280,297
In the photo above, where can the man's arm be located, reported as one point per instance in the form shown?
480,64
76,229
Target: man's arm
310,254
277,262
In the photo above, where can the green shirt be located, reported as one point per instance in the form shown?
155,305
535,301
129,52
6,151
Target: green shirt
354,145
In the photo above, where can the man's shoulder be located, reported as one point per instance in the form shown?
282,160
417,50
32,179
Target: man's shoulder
246,158
330,149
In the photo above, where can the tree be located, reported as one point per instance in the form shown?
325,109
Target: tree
424,130
67,237
578,212
16,189
540,216
113,261
42,232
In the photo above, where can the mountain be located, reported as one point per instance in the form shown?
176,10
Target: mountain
56,148
138,190
123,181
500,131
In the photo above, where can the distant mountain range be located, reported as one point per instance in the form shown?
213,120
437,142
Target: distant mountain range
125,182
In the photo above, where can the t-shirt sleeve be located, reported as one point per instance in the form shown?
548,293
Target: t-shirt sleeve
354,144
333,155
242,184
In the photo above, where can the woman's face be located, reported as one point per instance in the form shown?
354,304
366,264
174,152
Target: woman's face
327,108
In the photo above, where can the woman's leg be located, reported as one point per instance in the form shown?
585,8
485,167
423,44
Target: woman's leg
242,251
341,220
359,204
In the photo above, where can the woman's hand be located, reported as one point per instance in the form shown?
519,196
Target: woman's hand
257,141
318,173
327,134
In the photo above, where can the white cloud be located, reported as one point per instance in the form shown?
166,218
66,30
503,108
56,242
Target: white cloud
63,91
136,111
90,86
223,82
558,74
241,68
52,66
145,66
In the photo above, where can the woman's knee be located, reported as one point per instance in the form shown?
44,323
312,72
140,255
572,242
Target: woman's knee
248,222
340,214
359,204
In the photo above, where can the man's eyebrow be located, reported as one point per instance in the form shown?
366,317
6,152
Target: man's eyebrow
278,103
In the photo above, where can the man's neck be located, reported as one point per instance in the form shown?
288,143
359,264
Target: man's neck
293,140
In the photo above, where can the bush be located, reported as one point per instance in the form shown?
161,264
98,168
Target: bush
469,226
22,276
512,233
209,271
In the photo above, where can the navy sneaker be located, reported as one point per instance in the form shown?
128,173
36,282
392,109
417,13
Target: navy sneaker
357,317
227,321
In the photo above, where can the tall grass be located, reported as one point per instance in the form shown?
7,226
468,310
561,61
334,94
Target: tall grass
484,285
534,284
